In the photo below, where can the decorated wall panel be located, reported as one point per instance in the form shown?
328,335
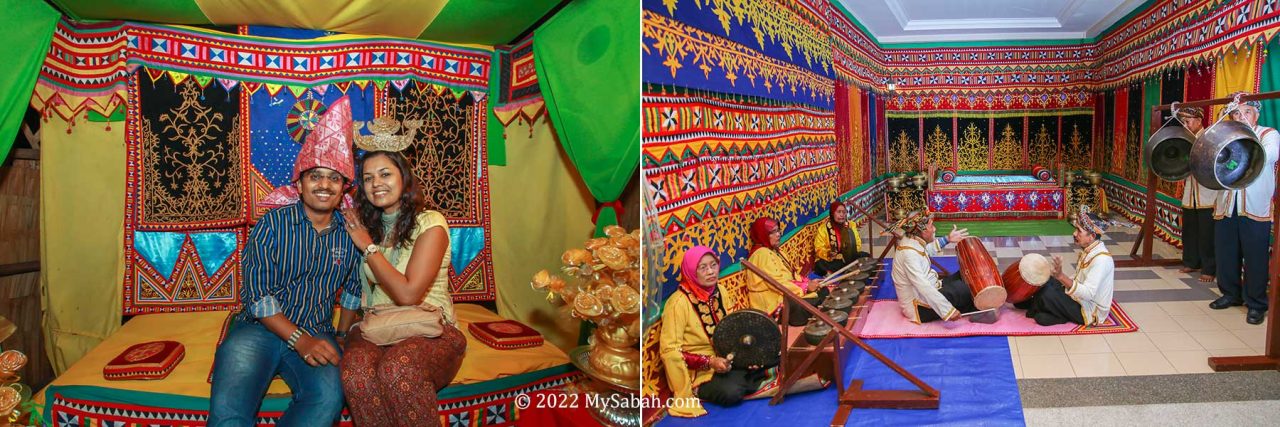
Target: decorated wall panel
214,122
714,165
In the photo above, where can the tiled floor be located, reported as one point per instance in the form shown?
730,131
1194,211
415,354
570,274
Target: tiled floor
1177,329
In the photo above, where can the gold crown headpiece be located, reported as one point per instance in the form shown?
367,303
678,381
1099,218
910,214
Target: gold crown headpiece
384,136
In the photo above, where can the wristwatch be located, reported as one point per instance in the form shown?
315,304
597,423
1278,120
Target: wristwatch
370,250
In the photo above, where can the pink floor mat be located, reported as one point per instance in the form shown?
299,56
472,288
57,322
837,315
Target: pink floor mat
885,320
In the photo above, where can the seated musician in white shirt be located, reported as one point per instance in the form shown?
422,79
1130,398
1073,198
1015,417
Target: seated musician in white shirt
923,296
1085,297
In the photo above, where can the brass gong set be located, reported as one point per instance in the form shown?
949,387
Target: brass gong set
1228,155
752,338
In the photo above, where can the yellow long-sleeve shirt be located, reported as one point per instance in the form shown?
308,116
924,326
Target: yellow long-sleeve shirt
682,331
826,249
761,296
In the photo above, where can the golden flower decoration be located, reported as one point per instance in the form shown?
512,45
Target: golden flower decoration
587,305
576,257
613,258
614,231
625,300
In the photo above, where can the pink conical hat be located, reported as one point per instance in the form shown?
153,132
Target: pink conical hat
327,146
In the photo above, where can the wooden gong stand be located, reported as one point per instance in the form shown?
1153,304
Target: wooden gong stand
853,395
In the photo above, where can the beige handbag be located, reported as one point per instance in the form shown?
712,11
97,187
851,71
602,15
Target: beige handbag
386,324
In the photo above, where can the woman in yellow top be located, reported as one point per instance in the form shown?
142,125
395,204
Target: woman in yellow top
766,238
689,321
397,384
837,243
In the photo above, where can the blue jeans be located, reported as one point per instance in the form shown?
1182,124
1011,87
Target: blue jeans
245,364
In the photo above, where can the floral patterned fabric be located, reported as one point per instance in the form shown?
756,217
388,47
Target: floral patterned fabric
396,385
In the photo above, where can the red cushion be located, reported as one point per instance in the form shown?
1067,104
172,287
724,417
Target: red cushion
146,361
505,334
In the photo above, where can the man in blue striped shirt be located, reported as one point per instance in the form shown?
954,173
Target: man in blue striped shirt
298,260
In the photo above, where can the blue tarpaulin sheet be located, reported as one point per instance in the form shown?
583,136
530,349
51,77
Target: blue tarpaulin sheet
974,375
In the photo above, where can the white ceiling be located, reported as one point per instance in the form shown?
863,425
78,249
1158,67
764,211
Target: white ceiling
916,21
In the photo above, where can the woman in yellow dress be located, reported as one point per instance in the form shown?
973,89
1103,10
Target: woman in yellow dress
689,321
766,239
837,243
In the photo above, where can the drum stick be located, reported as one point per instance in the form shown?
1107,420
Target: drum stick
832,279
842,269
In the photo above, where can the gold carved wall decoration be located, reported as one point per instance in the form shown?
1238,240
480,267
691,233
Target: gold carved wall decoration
973,148
904,153
1008,150
938,150
1041,150
193,163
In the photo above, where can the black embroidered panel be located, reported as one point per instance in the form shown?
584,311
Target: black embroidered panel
442,153
189,144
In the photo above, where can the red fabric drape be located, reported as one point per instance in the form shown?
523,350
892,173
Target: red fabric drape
868,164
1199,85
844,140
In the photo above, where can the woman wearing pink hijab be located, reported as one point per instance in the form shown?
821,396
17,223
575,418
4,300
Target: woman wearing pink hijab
689,321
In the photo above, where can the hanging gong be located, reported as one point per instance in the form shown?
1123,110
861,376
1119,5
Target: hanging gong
752,337
1168,152
1227,156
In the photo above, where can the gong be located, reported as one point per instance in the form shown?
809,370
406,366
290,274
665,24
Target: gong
750,336
1168,152
1227,156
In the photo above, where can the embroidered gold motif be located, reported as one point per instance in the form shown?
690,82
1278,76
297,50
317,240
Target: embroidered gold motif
1133,155
1041,149
681,42
973,148
1008,150
1077,150
440,154
792,28
904,153
938,150
192,174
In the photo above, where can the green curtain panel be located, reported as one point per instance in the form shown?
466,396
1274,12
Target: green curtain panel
1270,76
30,27
588,63
1150,98
496,144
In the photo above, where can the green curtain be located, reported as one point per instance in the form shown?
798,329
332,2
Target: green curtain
1270,81
29,25
588,63
1150,98
496,146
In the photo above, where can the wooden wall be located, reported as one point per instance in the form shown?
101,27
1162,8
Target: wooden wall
20,243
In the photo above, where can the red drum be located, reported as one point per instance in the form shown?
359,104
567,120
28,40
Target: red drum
1025,277
979,271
